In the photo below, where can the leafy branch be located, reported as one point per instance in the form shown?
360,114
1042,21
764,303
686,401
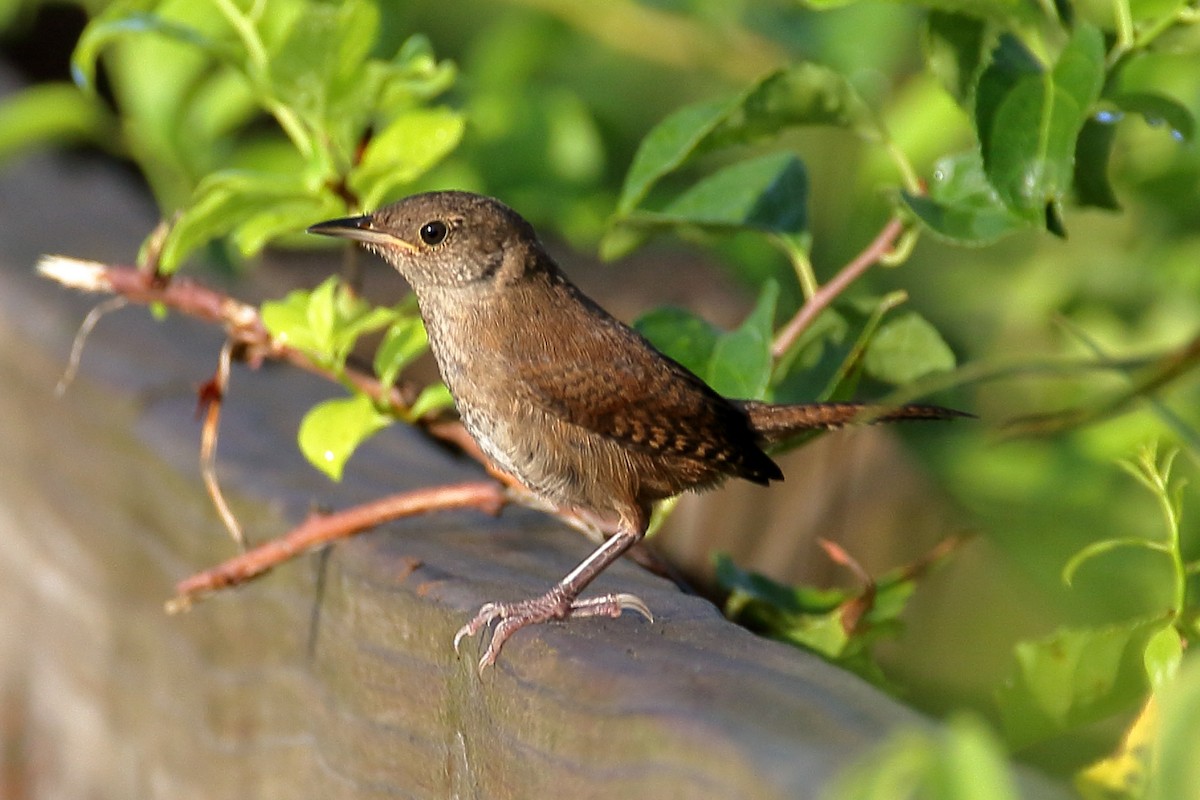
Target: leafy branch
1077,676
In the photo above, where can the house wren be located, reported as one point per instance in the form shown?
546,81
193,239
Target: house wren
576,405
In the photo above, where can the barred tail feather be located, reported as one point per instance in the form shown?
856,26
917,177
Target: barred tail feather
775,423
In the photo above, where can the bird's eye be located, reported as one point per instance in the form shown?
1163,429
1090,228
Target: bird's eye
433,232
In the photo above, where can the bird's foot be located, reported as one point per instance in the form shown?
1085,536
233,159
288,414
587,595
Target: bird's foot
552,605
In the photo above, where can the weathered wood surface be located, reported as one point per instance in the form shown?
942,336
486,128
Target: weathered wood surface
333,676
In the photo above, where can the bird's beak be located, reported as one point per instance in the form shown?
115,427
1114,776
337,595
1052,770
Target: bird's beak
360,229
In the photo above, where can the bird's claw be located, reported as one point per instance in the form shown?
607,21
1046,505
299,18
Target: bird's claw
552,605
486,613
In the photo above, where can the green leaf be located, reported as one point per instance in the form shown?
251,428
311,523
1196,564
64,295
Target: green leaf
324,47
1093,151
1163,655
827,332
53,113
1029,119
804,94
358,321
822,633
404,341
331,431
405,150
1011,64
801,615
318,73
228,199
837,623
287,321
1158,109
353,317
680,334
845,381
1004,11
122,19
971,764
321,316
414,73
740,365
668,146
433,398
962,207
768,193
963,224
960,761
1073,677
1176,770
285,216
751,587
327,322
907,348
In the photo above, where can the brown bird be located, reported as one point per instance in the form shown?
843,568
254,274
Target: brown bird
577,406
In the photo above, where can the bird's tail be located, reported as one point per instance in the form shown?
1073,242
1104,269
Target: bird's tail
776,423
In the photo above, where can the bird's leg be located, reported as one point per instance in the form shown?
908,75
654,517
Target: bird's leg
561,601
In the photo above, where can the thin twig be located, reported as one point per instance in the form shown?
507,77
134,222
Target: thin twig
824,296
211,398
85,330
320,529
241,321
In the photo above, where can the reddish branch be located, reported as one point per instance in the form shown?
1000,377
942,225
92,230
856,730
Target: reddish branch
824,296
320,529
241,321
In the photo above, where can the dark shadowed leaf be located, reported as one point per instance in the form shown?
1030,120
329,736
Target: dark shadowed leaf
1159,110
768,193
1029,119
1092,153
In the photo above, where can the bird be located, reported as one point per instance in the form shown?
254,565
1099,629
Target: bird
578,407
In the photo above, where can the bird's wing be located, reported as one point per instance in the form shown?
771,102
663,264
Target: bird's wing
612,382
